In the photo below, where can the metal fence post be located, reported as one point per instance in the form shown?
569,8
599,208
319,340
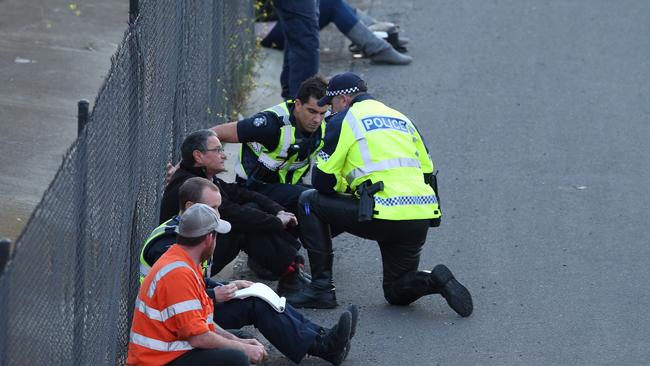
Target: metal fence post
134,9
5,252
82,115
5,256
80,252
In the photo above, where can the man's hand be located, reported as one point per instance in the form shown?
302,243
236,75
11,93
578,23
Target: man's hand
169,171
288,219
251,341
256,353
241,283
225,292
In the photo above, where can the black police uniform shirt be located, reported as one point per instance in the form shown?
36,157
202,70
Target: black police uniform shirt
265,128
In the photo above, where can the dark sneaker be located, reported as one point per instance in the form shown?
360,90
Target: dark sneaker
457,296
334,345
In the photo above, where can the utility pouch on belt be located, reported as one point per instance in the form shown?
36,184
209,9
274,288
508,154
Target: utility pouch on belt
433,182
367,192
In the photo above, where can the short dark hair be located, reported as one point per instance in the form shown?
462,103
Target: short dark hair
192,242
192,190
315,86
197,140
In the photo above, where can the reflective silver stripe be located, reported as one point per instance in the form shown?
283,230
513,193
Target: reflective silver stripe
269,162
359,135
281,112
286,141
298,164
144,269
169,311
239,169
406,200
256,147
163,271
382,165
159,345
274,165
210,319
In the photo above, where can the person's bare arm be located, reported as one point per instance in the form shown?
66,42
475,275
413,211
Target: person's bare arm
227,132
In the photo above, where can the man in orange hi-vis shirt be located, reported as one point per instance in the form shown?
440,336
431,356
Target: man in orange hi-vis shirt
173,318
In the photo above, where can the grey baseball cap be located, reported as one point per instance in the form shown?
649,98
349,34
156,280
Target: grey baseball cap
201,219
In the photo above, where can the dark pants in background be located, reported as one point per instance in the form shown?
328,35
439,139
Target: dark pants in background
337,11
298,20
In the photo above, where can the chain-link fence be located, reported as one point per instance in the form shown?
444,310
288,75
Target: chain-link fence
67,295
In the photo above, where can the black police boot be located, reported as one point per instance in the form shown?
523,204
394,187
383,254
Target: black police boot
457,295
410,287
354,314
334,345
440,280
320,294
294,281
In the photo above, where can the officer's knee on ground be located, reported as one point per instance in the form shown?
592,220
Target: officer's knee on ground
307,196
394,300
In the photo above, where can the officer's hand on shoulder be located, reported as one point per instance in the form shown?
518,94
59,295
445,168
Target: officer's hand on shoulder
169,171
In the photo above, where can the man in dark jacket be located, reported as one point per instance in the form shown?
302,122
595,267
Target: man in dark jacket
259,225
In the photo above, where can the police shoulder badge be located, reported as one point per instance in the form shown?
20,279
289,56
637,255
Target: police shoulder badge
259,121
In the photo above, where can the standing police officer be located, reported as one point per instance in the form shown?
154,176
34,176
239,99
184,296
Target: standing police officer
377,154
279,143
298,20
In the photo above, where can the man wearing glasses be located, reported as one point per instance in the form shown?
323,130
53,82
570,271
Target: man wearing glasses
259,225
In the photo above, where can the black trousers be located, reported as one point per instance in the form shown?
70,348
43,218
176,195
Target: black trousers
298,20
212,357
286,195
290,332
400,242
273,251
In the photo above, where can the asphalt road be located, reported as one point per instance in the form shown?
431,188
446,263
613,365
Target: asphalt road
52,54
536,114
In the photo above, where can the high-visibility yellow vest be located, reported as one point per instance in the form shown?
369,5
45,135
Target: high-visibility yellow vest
169,227
278,160
378,143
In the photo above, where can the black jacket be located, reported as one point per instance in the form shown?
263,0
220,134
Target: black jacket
235,206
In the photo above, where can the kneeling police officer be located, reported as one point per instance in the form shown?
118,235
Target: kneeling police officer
377,154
